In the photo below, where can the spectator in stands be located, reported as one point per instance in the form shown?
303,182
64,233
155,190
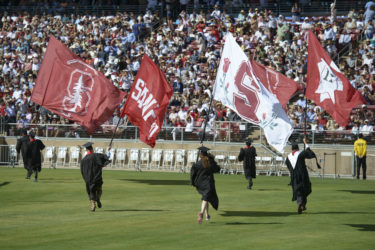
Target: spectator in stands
296,12
356,129
369,14
333,11
366,129
360,149
329,34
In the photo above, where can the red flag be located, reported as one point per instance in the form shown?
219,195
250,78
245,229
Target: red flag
148,100
68,86
327,86
276,83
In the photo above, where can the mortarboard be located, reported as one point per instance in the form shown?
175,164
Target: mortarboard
87,144
203,149
32,134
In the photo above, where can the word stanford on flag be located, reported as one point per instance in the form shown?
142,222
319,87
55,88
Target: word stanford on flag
148,100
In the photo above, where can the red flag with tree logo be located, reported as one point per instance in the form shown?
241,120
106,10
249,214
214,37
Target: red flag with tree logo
68,86
327,86
148,100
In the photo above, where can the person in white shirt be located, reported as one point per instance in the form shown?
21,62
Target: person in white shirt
216,12
329,34
366,129
17,93
189,124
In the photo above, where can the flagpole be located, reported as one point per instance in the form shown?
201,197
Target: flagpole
114,131
205,123
118,123
305,113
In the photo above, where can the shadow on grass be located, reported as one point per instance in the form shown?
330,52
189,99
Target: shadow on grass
4,183
59,180
363,227
256,214
342,212
135,210
244,223
359,191
161,182
263,189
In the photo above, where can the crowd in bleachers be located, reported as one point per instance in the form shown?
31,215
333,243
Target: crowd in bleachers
187,49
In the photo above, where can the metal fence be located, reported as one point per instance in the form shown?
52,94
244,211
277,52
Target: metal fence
180,160
219,132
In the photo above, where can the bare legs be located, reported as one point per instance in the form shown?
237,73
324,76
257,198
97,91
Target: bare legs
204,208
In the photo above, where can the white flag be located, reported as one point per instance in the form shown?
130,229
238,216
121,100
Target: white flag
238,88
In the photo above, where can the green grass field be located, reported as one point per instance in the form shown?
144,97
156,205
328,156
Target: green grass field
150,210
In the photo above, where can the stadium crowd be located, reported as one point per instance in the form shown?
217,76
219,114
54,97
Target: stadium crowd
187,49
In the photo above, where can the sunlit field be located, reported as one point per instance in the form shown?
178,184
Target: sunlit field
152,210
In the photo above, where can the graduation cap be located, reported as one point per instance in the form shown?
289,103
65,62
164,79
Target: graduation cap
203,149
295,146
32,134
249,141
87,144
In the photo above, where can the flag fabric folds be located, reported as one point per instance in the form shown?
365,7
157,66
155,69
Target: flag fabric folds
238,87
148,101
68,86
276,83
327,86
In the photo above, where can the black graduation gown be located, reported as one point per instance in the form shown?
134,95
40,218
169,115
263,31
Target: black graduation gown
91,170
203,179
33,155
21,147
301,184
247,155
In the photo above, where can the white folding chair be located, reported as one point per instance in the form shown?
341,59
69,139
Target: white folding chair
266,166
61,155
168,158
49,155
74,155
99,150
144,157
191,159
232,164
112,157
133,158
156,157
120,157
221,159
12,155
281,167
180,159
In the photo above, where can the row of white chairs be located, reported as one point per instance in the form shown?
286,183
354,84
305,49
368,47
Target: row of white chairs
159,159
266,164
170,159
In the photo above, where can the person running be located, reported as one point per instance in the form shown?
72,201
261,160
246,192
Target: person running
91,170
247,155
33,156
202,177
301,184
360,149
